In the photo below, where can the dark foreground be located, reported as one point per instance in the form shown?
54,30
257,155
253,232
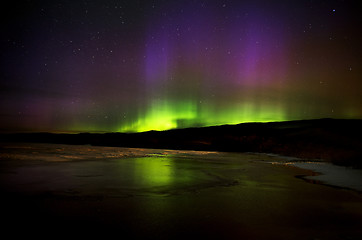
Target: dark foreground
51,191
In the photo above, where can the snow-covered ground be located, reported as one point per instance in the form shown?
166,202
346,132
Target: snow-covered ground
334,175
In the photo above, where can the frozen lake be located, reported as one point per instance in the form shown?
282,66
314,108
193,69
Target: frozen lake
170,194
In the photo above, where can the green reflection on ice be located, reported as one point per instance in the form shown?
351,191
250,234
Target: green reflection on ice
154,171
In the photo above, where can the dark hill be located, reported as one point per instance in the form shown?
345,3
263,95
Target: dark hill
335,140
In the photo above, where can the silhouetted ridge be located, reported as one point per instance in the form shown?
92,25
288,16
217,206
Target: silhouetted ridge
336,140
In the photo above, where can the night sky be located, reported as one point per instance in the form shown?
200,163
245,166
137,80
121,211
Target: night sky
155,65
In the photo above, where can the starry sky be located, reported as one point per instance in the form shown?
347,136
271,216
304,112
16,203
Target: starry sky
130,66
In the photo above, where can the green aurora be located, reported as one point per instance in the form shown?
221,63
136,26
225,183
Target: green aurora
164,115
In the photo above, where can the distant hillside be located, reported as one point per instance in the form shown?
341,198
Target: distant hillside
335,140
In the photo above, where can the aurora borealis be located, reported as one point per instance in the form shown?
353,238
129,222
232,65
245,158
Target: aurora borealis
132,66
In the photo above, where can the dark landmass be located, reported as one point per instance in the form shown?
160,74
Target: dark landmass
335,140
